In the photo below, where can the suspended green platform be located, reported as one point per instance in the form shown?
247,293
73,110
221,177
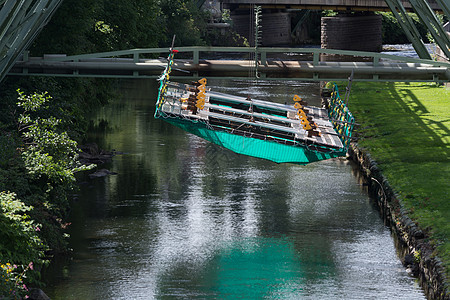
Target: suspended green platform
297,133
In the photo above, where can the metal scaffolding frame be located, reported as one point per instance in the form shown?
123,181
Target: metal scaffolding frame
20,23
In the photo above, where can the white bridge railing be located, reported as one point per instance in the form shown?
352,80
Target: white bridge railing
234,62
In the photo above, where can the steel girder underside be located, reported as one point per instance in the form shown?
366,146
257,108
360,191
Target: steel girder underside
20,23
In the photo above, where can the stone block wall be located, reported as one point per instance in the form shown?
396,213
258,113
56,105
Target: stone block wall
276,28
359,33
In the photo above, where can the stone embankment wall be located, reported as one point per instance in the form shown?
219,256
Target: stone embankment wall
412,242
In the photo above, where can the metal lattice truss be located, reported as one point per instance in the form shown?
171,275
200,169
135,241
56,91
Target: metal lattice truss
20,23
428,17
408,27
22,20
445,6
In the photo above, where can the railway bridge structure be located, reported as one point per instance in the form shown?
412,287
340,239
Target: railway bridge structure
336,5
303,64
356,27
21,21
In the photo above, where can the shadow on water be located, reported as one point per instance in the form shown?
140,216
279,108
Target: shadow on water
187,219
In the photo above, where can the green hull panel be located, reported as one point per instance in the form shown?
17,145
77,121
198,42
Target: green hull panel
269,150
178,103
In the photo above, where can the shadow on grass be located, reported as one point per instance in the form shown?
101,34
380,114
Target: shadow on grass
426,127
404,127
406,131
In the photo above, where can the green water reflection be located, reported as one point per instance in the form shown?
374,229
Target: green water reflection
258,268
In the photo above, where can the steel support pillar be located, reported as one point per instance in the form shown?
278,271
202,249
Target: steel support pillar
428,17
20,23
408,27
445,6
304,15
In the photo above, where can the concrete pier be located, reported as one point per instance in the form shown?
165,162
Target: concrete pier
361,32
350,32
276,27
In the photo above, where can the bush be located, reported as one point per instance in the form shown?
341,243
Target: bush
50,160
21,247
39,165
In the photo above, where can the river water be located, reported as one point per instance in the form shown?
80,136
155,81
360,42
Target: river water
185,219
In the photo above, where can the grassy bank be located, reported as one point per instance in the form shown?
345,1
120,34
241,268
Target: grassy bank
406,129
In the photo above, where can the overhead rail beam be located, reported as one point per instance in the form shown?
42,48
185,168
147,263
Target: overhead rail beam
300,64
20,23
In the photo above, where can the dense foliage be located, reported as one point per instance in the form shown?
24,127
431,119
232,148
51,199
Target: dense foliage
394,34
87,26
20,244
38,156
38,163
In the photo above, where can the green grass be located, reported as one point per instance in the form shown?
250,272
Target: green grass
406,129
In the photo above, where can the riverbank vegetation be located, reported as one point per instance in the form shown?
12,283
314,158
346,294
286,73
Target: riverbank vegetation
406,129
39,130
37,165
87,26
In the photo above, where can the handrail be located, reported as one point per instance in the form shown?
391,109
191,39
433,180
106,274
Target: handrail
196,50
